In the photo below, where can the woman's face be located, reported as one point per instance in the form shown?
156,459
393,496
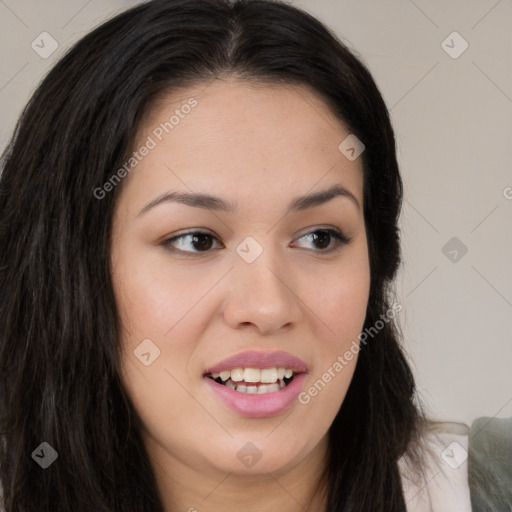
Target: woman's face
266,274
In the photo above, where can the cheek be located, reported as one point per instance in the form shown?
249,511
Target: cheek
341,312
157,304
157,299
339,302
346,302
338,295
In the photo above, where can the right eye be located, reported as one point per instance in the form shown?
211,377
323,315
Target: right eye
198,240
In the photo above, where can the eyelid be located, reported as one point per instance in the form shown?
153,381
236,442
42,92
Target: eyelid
340,238
189,232
338,235
328,228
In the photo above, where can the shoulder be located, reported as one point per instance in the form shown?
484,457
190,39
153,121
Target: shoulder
440,482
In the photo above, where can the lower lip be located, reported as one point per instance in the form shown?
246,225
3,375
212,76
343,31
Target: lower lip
259,406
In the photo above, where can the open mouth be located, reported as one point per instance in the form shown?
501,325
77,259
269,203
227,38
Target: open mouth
254,381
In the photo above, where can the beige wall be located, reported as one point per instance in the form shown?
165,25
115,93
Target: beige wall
453,120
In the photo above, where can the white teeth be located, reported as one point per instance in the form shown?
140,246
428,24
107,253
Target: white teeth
270,380
269,375
225,375
237,374
252,375
266,376
268,389
255,390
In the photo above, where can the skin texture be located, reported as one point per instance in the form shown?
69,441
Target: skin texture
259,146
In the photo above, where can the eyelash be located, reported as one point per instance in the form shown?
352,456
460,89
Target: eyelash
338,236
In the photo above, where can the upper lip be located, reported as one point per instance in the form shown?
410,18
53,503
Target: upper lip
261,360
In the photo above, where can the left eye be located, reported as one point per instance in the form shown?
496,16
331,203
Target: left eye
322,238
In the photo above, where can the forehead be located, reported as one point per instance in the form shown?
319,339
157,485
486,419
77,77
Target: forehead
244,138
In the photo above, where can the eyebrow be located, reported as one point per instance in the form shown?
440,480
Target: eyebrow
210,202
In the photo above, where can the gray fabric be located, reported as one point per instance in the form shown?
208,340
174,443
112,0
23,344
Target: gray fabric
490,465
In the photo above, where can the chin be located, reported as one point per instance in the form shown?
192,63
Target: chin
260,455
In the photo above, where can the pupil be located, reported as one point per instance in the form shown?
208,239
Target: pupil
323,239
202,241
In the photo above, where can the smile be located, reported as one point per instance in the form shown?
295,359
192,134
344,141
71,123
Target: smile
254,381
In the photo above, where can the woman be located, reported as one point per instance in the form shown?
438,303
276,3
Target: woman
198,217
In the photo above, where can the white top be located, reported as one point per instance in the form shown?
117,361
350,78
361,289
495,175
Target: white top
443,486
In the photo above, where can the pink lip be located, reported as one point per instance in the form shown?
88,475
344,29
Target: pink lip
261,360
259,406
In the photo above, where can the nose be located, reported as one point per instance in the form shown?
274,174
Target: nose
262,296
